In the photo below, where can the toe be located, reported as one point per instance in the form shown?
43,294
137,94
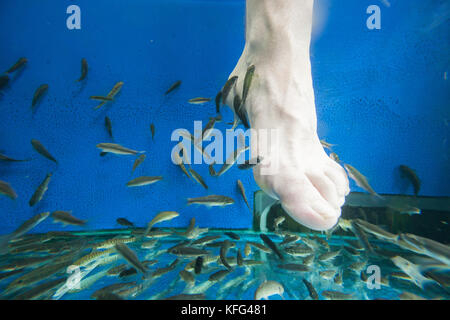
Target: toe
325,186
338,175
305,204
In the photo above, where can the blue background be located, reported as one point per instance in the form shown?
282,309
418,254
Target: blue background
381,97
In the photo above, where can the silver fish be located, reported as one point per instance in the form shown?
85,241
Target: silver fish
211,200
143,181
117,149
7,190
160,217
66,218
37,145
269,288
40,191
130,256
199,100
360,179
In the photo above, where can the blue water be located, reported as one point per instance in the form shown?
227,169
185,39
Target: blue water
242,281
381,97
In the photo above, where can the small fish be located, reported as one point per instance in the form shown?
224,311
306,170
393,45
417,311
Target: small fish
19,64
360,180
338,278
38,292
289,239
242,190
336,295
428,247
219,275
84,69
127,272
322,242
277,221
198,178
199,100
114,91
143,181
298,251
131,257
66,218
228,163
4,79
294,267
223,253
124,222
198,265
179,161
411,175
187,277
28,225
328,255
271,245
189,251
152,130
115,271
108,126
211,200
239,258
357,266
117,149
138,162
40,191
259,246
5,158
7,190
173,87
206,132
248,164
218,101
232,235
227,87
327,274
149,244
312,292
101,98
247,82
160,217
205,240
359,233
335,157
411,270
240,111
269,288
37,145
112,242
40,91
326,144
403,207
376,231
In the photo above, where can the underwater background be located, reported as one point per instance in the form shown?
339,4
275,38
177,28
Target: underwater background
381,95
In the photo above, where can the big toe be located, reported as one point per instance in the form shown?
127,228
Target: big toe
305,203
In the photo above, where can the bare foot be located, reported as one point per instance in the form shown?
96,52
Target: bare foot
310,186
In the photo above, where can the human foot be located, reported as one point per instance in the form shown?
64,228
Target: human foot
295,168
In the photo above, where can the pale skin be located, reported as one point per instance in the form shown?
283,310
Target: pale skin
310,186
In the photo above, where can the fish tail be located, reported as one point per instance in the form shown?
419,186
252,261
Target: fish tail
4,240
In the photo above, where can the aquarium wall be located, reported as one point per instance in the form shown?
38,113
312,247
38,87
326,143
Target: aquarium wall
382,100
